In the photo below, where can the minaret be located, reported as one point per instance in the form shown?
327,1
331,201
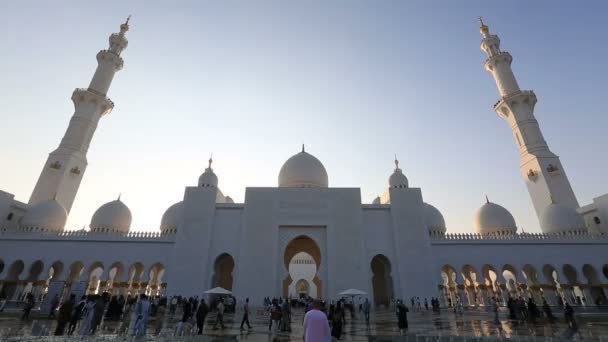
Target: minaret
65,167
541,169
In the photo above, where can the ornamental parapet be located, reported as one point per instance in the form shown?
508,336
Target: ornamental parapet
85,235
528,94
574,236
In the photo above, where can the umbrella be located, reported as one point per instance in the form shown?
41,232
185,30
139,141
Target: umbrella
218,291
352,293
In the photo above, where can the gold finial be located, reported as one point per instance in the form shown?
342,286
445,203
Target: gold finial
483,28
396,162
303,150
119,194
487,200
210,160
125,27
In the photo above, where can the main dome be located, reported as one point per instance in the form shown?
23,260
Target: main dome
303,170
492,218
113,216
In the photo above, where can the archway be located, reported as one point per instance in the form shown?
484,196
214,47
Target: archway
136,271
95,273
469,274
448,273
382,281
573,290
155,279
302,270
303,288
114,282
12,286
532,283
510,276
490,281
302,244
594,286
222,271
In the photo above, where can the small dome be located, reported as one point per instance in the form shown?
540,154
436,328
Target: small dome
172,217
229,199
557,218
434,219
492,218
397,179
48,215
377,200
303,170
208,178
113,216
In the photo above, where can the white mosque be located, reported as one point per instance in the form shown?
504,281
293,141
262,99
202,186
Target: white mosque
314,239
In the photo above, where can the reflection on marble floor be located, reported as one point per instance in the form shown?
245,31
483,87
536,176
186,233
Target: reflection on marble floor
593,326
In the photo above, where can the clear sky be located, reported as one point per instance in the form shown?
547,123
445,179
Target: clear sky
357,81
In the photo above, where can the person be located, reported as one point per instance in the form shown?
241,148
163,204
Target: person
426,305
88,314
338,319
201,314
27,308
220,315
54,305
142,312
316,326
495,310
402,317
548,312
275,317
65,313
245,314
160,315
532,310
76,315
366,307
569,315
285,316
100,305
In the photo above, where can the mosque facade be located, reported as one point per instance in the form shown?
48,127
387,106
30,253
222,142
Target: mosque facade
304,237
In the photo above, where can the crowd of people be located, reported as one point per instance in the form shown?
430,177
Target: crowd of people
133,314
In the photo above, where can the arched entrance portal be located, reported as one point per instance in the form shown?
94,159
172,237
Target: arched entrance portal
382,281
302,244
303,288
222,272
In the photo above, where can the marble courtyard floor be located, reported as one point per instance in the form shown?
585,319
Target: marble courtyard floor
424,326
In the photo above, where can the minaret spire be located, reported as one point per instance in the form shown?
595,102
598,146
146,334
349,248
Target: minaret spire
65,167
541,169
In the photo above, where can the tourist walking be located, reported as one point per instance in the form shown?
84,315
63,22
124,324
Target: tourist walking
366,307
27,308
548,312
54,305
201,314
142,312
220,315
160,315
76,315
495,310
338,320
245,314
316,326
285,316
402,317
88,314
100,305
65,313
275,317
